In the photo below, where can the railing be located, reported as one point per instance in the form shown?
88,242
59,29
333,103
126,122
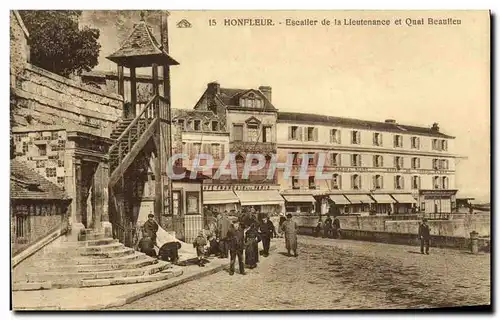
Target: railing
156,107
252,147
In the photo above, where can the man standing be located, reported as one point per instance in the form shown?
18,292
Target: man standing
290,227
424,233
150,227
267,232
328,226
236,243
336,227
223,228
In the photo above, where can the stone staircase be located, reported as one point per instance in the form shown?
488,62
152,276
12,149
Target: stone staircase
94,261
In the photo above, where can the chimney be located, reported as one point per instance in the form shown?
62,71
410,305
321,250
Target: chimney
267,91
390,121
435,127
213,88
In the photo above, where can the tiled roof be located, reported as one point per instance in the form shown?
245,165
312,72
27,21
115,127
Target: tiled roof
231,98
25,183
309,118
182,113
141,42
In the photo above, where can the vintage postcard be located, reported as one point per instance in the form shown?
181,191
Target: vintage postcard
250,160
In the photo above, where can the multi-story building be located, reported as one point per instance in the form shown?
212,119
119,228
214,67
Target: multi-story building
375,166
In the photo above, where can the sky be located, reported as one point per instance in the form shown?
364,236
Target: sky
416,75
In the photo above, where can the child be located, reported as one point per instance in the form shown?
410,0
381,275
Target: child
146,245
199,243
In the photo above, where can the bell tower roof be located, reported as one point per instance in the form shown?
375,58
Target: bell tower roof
141,49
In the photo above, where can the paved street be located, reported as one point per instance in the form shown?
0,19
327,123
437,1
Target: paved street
338,274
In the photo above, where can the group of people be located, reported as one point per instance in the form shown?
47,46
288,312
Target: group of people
146,244
331,228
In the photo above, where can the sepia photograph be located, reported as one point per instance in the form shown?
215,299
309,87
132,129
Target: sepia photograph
229,160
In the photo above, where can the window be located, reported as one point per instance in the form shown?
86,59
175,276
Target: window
415,182
356,182
311,157
377,139
296,159
216,153
40,164
180,123
444,183
252,132
355,137
415,163
266,134
415,142
335,160
378,161
336,182
60,163
398,141
54,136
398,162
60,179
197,125
312,134
22,227
436,182
215,126
334,136
238,132
356,160
377,182
176,203
192,202
295,133
25,147
312,183
435,144
295,183
444,145
50,172
435,164
42,150
399,182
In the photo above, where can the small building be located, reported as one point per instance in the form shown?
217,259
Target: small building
38,207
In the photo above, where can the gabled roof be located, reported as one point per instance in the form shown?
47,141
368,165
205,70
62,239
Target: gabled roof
309,118
27,184
141,49
231,98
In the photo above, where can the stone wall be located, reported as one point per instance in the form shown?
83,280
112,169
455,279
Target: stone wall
40,97
19,49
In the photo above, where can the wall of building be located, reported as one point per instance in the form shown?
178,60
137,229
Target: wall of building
19,48
239,117
40,97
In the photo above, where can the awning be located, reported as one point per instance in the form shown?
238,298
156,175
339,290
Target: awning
255,198
383,198
219,197
404,198
339,199
359,198
299,198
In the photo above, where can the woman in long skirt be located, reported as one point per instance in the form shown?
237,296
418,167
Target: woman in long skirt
252,238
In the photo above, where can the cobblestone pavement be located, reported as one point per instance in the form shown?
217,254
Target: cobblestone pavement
338,274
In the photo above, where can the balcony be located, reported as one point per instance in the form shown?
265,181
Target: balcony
252,147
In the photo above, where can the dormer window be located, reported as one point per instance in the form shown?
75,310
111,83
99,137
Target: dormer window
180,123
251,101
215,126
197,125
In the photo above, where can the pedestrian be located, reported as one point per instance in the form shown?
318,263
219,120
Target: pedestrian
252,238
146,245
282,219
170,252
267,231
200,243
317,229
328,227
236,244
151,227
222,228
424,233
336,227
290,227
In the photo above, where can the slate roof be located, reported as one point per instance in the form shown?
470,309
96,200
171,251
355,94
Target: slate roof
26,184
309,118
231,98
141,49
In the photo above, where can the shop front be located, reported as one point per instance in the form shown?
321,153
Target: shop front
220,201
267,202
384,203
338,204
360,204
437,201
405,203
305,204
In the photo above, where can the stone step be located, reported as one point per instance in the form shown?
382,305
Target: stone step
134,264
124,259
102,248
92,236
29,286
73,279
124,251
164,275
98,242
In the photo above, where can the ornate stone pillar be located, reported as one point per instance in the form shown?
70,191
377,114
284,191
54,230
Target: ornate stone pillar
104,176
76,205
